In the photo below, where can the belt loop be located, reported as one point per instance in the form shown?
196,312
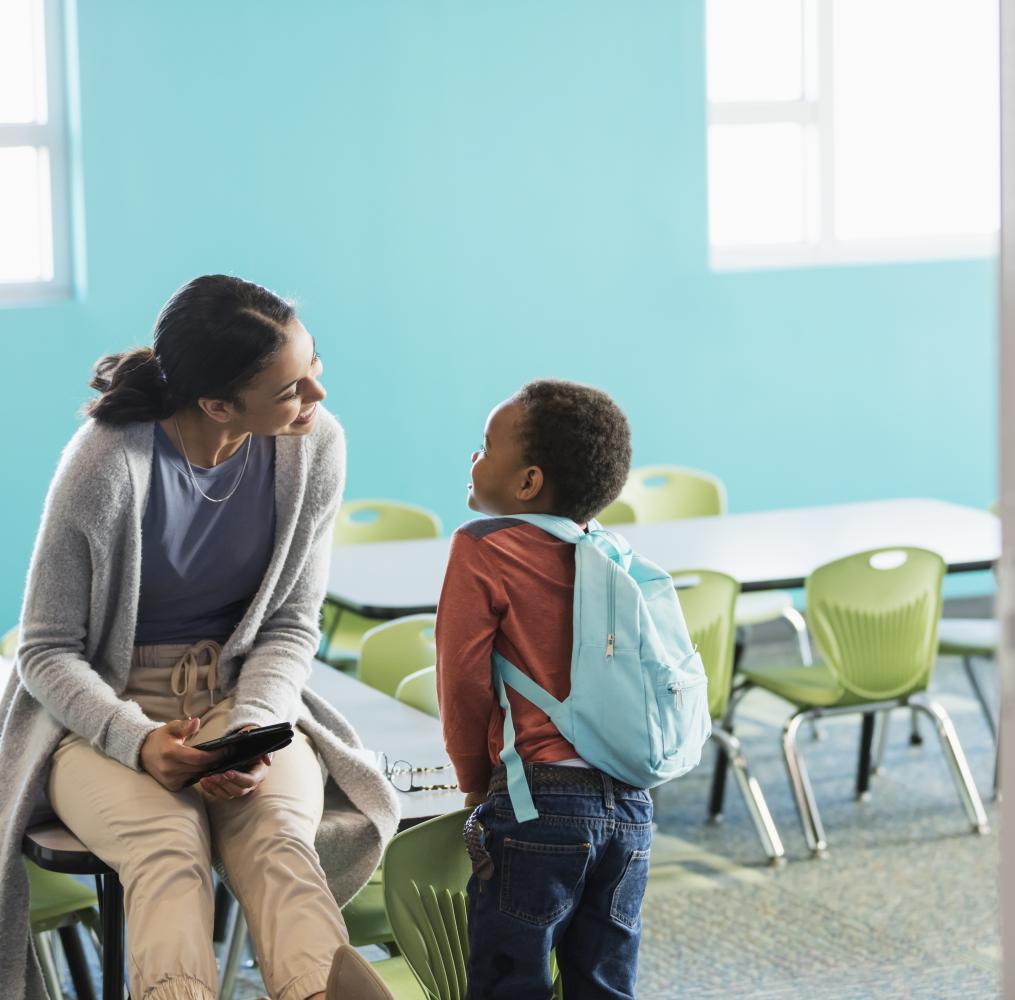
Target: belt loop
607,790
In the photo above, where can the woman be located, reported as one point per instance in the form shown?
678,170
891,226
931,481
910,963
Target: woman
173,597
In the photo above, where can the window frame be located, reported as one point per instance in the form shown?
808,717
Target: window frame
51,136
816,107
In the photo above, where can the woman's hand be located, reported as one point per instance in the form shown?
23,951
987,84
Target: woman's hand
233,784
167,758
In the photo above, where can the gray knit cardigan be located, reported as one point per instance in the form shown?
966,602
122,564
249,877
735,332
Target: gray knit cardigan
77,634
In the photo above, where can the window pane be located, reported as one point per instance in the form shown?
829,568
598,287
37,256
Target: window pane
22,62
25,228
754,50
916,117
756,184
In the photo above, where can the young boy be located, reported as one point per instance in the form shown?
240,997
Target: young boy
574,878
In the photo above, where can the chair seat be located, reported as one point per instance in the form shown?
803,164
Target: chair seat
968,636
53,847
761,606
805,687
398,978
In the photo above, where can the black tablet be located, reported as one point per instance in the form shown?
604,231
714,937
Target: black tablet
245,749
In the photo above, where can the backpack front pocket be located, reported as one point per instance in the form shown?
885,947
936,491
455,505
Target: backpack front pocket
682,699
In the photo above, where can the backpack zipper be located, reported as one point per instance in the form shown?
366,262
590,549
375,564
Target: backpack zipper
611,599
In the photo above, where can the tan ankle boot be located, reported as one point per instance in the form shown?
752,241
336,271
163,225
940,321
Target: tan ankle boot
352,978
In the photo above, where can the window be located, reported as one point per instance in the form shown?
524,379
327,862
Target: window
34,198
852,130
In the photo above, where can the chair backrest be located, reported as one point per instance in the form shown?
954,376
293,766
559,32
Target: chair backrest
396,649
361,521
669,492
619,512
419,689
874,616
708,600
426,869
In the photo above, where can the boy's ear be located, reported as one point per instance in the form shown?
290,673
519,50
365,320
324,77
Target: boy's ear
532,484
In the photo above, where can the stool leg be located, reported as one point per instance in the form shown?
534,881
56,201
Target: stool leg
76,962
112,937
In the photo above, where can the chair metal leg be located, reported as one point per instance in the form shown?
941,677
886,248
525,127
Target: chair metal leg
956,758
881,742
753,797
76,963
50,976
807,807
981,695
799,625
111,908
863,767
718,792
915,736
236,938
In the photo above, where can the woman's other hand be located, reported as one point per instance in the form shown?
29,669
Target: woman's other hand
167,758
233,784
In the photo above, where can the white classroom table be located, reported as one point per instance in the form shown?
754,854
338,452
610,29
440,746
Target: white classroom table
401,732
765,551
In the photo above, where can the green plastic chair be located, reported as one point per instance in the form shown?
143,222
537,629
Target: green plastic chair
395,649
619,512
874,617
361,522
426,870
671,492
419,689
58,903
708,600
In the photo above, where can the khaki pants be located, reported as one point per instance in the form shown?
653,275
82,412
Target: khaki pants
161,843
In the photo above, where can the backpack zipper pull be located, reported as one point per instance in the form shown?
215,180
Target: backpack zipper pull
610,639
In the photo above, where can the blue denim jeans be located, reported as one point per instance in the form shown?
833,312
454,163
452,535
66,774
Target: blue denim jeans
573,880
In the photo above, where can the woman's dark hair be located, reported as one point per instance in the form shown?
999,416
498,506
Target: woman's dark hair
211,339
581,440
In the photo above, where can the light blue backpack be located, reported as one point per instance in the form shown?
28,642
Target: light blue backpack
638,707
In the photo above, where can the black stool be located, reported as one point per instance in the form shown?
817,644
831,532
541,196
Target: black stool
53,847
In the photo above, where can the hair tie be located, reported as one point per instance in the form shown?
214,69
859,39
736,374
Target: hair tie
158,364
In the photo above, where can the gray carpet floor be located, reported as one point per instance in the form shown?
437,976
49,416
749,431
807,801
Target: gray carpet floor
905,905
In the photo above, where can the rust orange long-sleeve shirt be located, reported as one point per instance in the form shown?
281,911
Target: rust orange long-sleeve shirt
509,586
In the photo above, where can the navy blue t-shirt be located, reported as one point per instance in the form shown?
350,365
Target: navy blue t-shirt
202,562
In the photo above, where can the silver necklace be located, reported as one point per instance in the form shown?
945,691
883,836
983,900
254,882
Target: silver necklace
190,468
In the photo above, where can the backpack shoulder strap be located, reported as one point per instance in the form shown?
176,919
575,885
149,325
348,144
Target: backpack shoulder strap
518,787
560,527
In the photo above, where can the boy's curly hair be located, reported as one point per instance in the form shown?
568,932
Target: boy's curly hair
581,440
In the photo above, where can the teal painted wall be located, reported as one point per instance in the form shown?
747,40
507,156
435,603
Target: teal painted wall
465,195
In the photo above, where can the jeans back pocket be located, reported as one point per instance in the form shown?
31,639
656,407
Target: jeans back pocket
627,897
539,881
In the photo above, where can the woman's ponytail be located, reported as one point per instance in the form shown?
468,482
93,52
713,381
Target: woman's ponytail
133,388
